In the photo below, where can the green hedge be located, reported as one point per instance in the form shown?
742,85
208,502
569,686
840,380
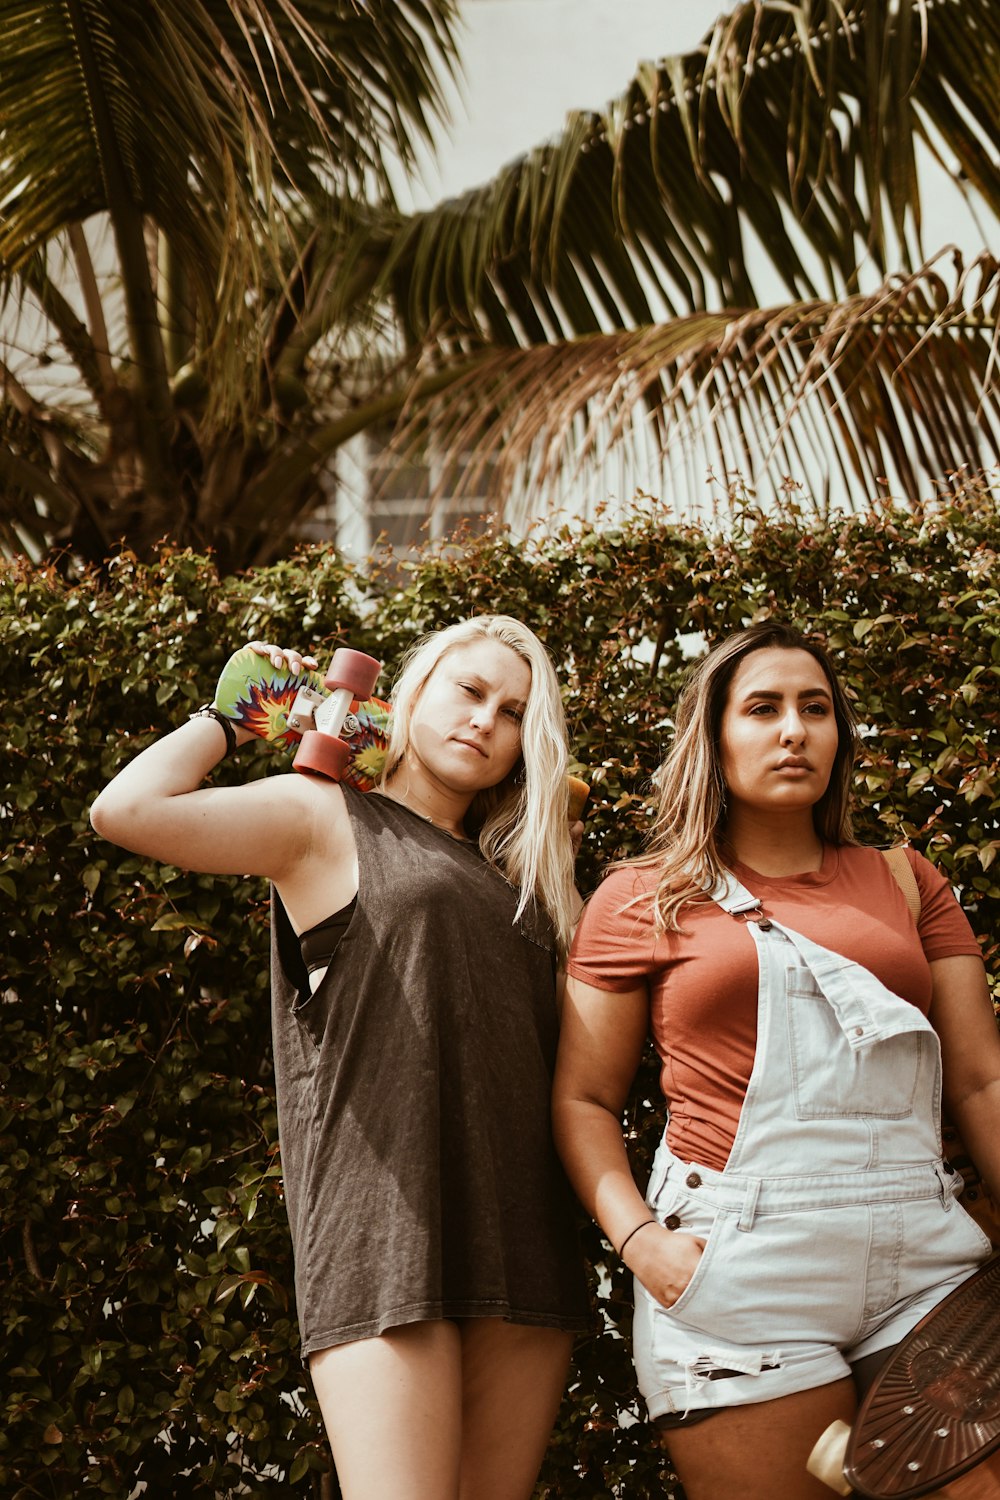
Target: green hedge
148,1324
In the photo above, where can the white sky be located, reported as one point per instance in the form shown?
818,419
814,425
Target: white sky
527,63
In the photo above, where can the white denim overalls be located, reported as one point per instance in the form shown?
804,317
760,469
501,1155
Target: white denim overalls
833,1227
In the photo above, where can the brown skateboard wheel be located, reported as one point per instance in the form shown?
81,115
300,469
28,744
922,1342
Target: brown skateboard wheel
826,1461
579,791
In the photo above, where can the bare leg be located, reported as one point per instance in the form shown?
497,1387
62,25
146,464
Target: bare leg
759,1452
442,1410
392,1407
513,1380
981,1483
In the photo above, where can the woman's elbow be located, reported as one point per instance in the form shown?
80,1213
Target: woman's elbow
112,816
572,1118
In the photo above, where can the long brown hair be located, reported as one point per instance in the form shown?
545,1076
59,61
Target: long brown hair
686,833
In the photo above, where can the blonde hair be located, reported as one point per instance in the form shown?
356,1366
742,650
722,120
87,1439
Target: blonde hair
689,825
522,823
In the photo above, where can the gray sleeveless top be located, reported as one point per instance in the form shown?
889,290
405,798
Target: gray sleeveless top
413,1098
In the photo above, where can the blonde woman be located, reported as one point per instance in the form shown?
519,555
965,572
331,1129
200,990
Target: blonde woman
416,934
799,1219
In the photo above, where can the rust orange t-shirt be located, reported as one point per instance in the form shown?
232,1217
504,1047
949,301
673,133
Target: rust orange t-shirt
702,982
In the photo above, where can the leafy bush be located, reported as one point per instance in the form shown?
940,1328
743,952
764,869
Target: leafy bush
149,1327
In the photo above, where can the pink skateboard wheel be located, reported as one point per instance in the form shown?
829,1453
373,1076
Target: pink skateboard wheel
353,670
322,755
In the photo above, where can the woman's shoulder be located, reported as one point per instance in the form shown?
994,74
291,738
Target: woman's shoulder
627,881
316,800
866,861
930,879
884,856
624,889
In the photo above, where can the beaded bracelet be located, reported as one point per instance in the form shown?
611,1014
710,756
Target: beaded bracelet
209,711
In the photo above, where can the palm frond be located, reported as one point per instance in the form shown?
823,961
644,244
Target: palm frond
789,135
199,112
905,377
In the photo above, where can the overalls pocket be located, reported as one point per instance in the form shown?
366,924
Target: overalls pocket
831,1079
773,1285
677,1210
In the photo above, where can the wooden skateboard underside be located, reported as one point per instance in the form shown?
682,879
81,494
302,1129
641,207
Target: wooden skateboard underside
934,1410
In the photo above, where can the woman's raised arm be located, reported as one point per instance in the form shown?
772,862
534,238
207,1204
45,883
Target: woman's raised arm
157,806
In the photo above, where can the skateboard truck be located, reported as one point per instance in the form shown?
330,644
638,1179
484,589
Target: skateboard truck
350,678
302,714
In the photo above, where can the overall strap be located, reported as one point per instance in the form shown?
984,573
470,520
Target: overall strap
733,897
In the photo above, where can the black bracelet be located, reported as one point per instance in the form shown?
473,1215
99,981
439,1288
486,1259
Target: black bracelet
209,711
621,1250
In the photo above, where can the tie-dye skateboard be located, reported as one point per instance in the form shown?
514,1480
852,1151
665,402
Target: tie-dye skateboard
933,1410
343,730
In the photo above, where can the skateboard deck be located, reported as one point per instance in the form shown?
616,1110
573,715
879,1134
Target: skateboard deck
933,1411
280,706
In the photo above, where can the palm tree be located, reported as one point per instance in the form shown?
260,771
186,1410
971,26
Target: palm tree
601,287
273,302
182,184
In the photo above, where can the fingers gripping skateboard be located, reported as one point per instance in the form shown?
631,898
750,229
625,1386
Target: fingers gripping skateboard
272,702
351,677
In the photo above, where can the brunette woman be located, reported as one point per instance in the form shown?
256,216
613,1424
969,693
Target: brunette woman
799,1219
